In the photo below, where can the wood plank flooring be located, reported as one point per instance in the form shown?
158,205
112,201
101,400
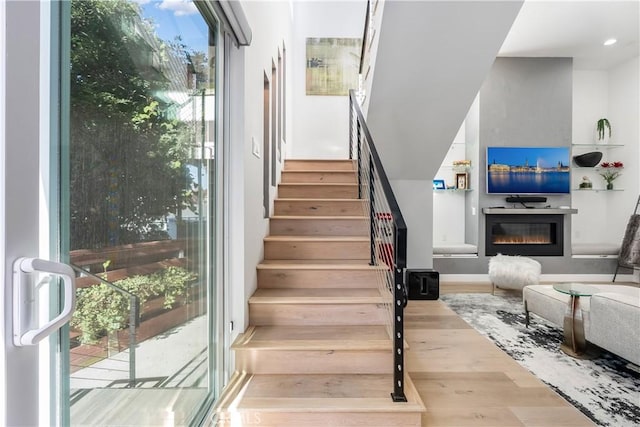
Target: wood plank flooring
465,380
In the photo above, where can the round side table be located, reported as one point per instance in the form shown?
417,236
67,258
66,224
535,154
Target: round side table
575,343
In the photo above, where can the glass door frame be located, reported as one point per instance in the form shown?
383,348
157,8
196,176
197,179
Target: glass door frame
30,89
28,194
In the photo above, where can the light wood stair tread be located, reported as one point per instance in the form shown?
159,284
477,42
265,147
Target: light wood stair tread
319,264
338,337
320,171
317,296
325,393
318,199
278,238
323,217
317,184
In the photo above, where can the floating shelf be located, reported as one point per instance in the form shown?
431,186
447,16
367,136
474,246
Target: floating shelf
529,211
452,189
598,145
595,189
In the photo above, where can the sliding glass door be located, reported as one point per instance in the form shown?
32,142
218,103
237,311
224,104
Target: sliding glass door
114,140
141,196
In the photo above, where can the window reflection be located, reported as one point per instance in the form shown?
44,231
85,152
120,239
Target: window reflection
141,191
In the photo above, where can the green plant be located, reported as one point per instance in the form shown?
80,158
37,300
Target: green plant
101,310
611,171
602,125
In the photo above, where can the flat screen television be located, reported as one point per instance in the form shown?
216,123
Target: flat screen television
528,170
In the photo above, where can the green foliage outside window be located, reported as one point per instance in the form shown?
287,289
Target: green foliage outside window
128,146
101,310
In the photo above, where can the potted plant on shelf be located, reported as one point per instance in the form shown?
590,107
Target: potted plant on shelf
611,171
604,129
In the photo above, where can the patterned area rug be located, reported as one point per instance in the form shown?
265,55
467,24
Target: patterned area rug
605,389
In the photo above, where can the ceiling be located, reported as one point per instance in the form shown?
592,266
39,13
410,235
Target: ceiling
578,29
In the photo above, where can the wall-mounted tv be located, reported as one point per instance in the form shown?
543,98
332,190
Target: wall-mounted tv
528,170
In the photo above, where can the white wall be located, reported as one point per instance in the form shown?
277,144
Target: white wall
321,128
271,25
590,103
624,114
449,206
614,94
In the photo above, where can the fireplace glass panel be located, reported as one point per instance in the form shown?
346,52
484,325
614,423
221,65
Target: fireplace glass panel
523,233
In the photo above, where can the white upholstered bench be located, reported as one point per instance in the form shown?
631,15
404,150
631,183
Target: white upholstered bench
513,272
595,250
454,250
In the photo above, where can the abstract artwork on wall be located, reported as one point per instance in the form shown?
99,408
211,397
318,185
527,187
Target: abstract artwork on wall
332,65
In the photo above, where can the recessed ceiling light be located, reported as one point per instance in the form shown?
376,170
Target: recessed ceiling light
610,42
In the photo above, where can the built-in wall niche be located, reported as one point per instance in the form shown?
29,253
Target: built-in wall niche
583,176
455,183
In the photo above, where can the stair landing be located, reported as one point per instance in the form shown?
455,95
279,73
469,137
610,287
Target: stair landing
322,400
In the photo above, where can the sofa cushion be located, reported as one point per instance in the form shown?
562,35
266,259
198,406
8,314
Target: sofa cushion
615,323
611,315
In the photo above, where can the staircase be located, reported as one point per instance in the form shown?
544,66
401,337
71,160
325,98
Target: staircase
318,351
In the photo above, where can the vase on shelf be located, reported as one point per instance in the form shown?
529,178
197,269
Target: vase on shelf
609,185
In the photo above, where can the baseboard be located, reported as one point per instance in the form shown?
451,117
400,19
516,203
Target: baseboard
595,256
483,279
465,278
455,255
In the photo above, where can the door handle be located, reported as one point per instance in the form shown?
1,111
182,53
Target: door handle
23,299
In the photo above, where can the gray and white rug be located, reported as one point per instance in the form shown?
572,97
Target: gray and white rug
605,389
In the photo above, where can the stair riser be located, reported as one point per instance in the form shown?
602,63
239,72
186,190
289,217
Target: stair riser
337,177
316,250
320,419
322,165
328,191
318,227
317,314
315,362
319,208
291,278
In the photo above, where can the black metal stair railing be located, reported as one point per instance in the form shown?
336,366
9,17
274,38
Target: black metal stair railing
388,233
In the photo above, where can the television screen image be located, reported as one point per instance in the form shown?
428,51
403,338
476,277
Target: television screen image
528,170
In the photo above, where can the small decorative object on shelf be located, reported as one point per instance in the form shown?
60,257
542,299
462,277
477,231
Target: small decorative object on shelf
588,160
602,126
611,171
461,165
438,184
586,183
462,181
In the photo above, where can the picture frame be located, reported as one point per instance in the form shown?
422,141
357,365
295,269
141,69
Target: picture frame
332,65
462,181
438,184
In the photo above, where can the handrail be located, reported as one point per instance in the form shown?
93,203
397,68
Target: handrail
393,204
134,319
388,245
364,37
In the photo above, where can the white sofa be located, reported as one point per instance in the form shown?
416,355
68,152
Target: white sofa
611,316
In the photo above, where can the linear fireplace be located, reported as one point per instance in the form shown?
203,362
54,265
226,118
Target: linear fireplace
524,235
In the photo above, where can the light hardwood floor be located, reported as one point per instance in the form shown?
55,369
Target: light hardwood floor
316,352
465,380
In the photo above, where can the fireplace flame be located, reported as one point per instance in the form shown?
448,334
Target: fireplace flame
519,240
